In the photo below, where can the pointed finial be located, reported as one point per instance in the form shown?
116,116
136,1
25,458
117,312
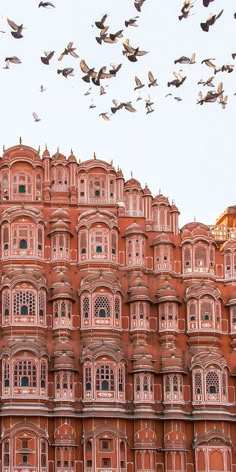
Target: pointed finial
71,151
79,161
20,140
39,150
3,148
131,174
57,149
46,148
112,162
159,191
94,156
194,219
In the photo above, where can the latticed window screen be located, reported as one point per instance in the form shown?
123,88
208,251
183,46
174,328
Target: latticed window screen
198,383
23,303
138,388
6,375
41,304
117,308
102,308
212,382
121,379
25,374
167,384
43,375
105,379
224,383
86,307
6,302
175,384
88,378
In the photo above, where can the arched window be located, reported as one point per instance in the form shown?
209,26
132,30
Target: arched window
102,307
143,387
209,385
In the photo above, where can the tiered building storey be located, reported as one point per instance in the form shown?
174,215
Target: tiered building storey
118,329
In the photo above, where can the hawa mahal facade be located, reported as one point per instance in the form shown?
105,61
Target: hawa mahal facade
118,328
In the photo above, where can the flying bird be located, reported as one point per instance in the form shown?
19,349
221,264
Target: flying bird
115,68
13,60
114,36
152,81
138,82
100,24
102,90
92,105
17,29
119,105
210,21
223,101
207,82
185,10
105,116
68,71
207,2
186,60
179,80
88,91
131,21
36,117
138,4
149,109
92,74
68,50
42,88
47,57
130,52
103,35
46,4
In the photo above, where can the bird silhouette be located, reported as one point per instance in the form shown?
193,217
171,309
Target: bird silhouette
46,4
130,52
68,71
13,60
114,68
138,4
42,88
92,105
185,10
105,116
100,24
92,74
138,82
207,82
88,91
114,36
186,60
36,117
207,2
68,50
179,80
103,35
210,21
17,29
131,22
152,81
47,57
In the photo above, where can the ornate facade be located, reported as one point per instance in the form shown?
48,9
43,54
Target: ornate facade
118,328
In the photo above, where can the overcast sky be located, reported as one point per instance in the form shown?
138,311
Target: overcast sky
182,148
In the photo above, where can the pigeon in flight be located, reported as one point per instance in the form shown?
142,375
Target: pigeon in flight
17,29
210,21
152,80
130,52
68,50
36,117
68,71
179,80
138,4
100,24
47,57
46,4
186,60
138,82
131,21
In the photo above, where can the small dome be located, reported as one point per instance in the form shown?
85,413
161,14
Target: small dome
161,199
132,183
142,359
172,363
162,238
45,154
147,191
119,174
134,228
138,291
167,292
63,362
59,214
71,157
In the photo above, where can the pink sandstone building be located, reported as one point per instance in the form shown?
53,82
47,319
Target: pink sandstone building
118,328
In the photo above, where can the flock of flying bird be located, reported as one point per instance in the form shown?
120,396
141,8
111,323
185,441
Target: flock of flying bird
98,77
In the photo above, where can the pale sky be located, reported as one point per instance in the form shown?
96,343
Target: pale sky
183,149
